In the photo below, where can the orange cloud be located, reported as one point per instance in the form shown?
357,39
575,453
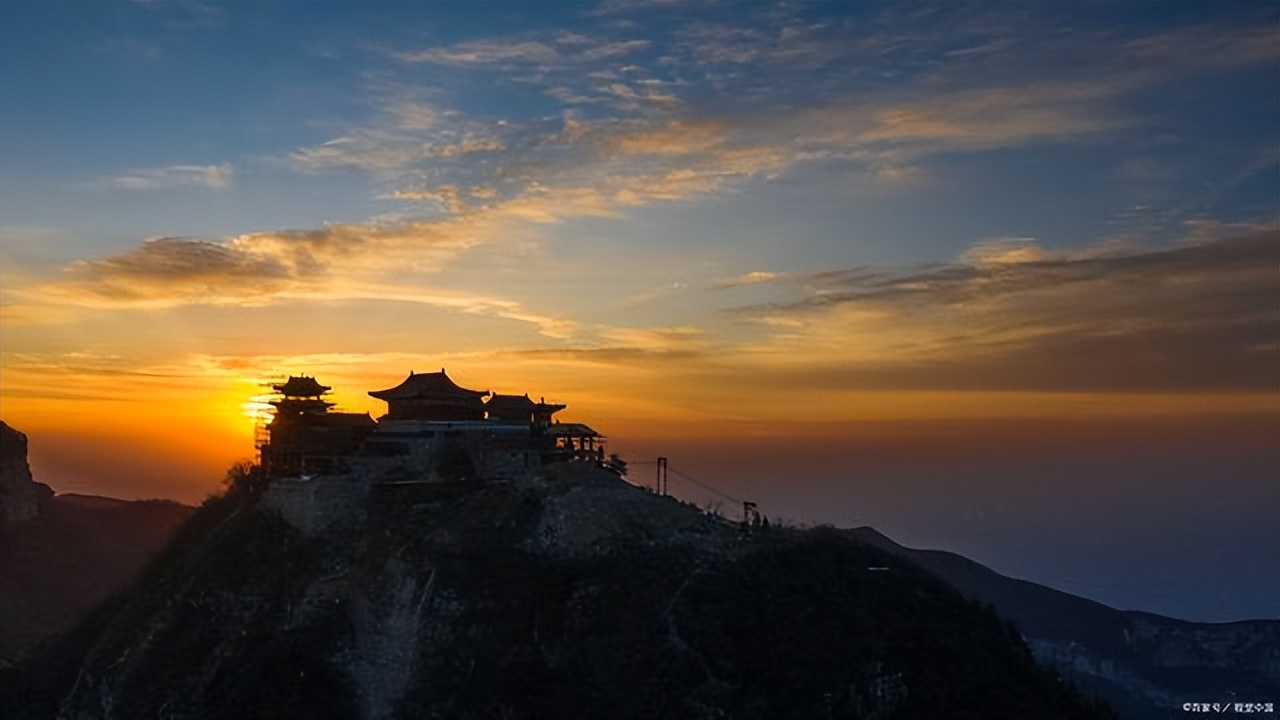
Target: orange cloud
1010,316
676,138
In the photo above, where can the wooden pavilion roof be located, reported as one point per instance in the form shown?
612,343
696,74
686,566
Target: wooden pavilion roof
519,404
301,386
428,386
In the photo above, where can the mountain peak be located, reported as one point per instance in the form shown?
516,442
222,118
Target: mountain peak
566,592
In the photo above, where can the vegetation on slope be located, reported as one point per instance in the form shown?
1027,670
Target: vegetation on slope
497,601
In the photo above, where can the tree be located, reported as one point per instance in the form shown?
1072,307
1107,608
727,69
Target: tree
244,478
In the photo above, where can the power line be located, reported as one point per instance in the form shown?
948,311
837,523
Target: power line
705,486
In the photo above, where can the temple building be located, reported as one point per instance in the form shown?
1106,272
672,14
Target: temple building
432,396
304,436
520,409
433,428
572,441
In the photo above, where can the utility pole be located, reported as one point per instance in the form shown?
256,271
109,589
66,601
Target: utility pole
660,485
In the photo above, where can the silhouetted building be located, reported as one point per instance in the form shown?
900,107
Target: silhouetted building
432,396
431,426
520,409
572,441
505,435
304,436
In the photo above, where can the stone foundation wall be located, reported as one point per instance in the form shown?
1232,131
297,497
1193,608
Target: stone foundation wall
315,504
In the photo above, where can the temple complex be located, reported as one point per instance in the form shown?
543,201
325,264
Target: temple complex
433,427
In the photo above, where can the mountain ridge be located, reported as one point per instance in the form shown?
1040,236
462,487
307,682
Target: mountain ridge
571,593
1143,664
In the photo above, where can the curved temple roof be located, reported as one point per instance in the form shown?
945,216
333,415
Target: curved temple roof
436,386
510,402
512,408
301,386
520,403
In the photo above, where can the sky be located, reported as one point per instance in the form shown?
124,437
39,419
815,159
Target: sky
994,278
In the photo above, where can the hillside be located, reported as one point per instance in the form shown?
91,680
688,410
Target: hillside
572,594
77,552
1143,665
62,554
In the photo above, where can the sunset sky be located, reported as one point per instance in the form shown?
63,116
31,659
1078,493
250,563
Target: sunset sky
1002,279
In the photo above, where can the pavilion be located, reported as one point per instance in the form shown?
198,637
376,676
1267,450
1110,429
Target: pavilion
432,396
304,436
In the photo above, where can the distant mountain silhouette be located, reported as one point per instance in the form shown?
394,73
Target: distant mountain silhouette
62,554
1144,665
567,593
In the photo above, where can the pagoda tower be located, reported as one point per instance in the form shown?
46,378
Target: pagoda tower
304,436
301,395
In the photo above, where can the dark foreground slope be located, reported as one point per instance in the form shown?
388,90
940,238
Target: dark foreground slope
1145,666
574,595
77,551
62,554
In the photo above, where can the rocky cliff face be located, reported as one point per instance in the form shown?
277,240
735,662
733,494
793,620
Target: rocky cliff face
20,495
569,594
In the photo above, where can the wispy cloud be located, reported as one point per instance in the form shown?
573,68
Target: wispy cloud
564,49
469,303
255,267
1204,48
703,109
348,263
369,150
1012,315
673,138
132,48
643,160
178,266
381,151
215,177
890,141
684,338
186,15
754,277
712,108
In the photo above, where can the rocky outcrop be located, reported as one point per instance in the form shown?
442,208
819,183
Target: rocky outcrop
20,495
